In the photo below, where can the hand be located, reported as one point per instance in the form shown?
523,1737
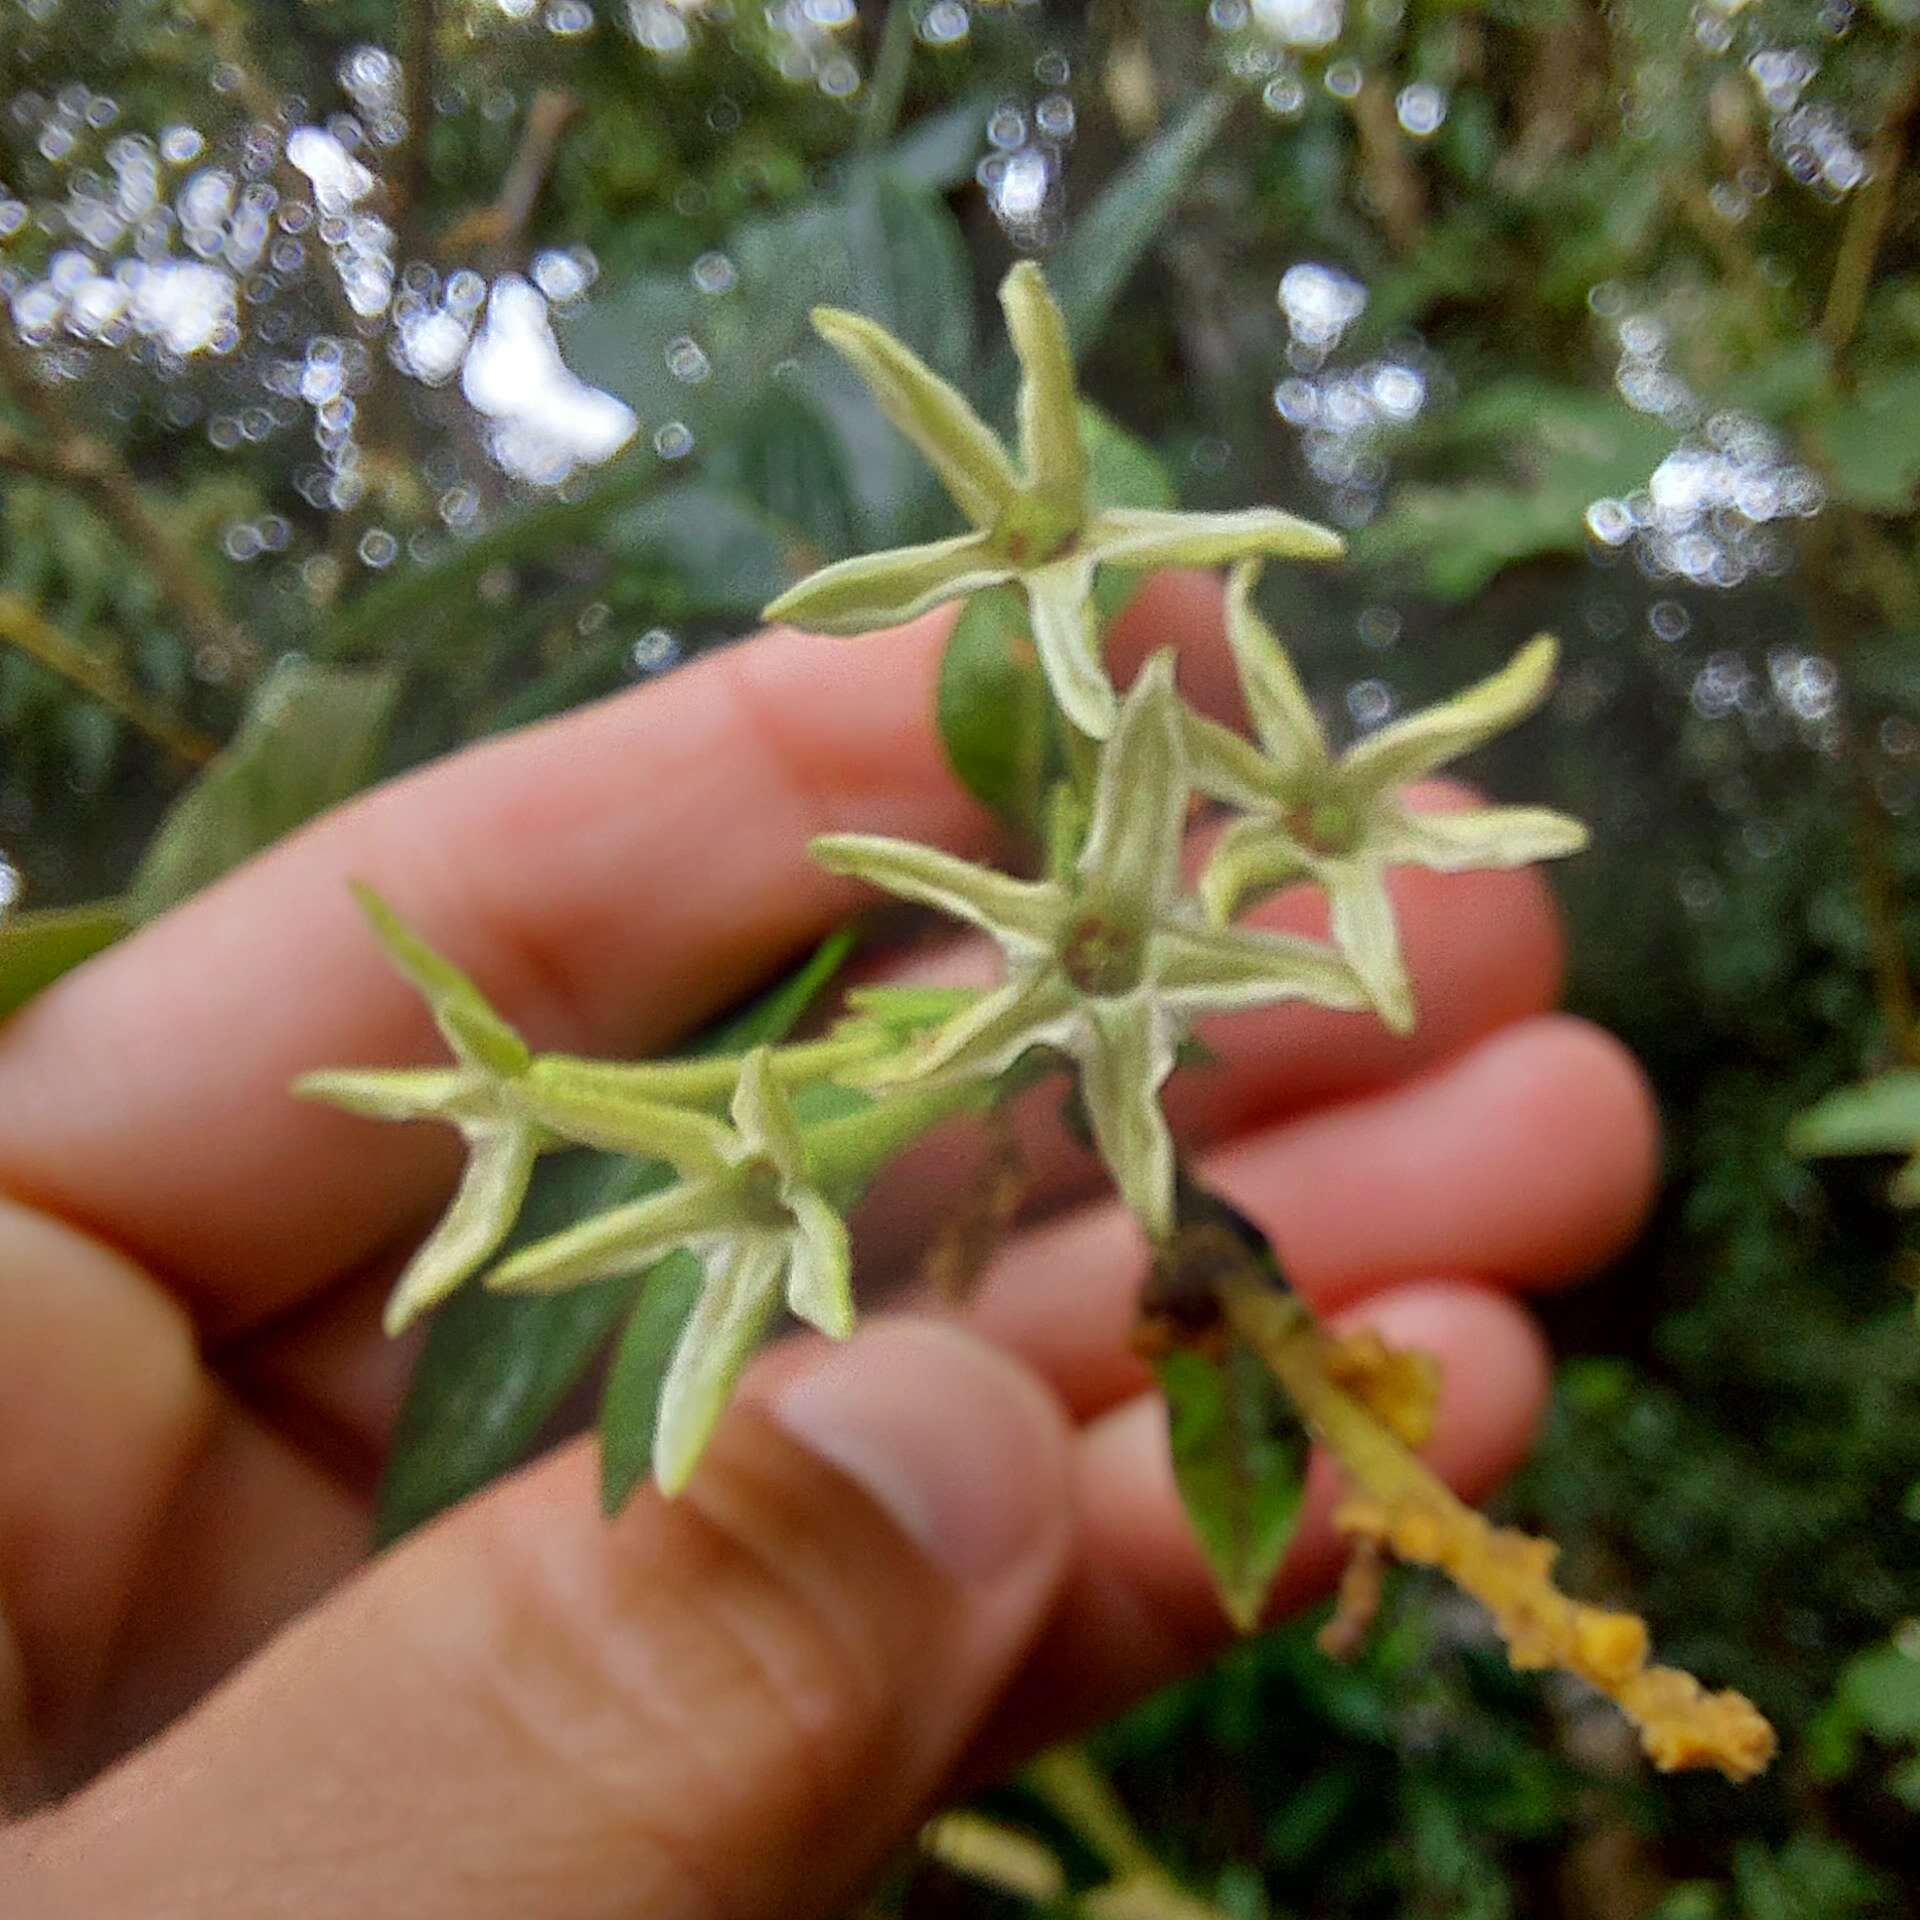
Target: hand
906,1561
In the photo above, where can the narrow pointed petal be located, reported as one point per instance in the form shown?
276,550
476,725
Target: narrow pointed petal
407,1094
1223,969
1881,1115
764,1119
1365,931
1283,716
623,1239
1124,1063
1151,537
1018,913
1485,837
1131,861
1253,856
1050,447
461,1011
1227,767
590,1108
1066,636
888,589
960,447
1416,745
820,1266
1036,1009
741,1291
483,1209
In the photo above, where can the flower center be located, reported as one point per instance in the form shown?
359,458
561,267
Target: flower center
1329,826
1034,530
760,1191
1102,958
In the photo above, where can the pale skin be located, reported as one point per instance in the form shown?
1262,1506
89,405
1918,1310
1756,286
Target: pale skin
905,1562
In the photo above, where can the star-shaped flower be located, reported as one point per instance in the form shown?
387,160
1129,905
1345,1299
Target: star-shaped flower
1032,522
1340,820
749,1210
475,1095
1110,966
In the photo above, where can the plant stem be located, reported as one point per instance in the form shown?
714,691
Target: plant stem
1387,168
1866,225
75,458
410,176
692,1082
497,232
1082,1798
22,625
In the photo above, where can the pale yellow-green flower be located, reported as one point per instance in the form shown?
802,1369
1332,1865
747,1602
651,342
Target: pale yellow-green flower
1111,965
475,1095
748,1209
1877,1116
1340,819
1032,522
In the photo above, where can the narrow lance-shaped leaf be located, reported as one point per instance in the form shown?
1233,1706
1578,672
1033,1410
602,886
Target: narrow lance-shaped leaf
1240,1463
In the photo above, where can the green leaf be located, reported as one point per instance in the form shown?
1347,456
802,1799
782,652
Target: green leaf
37,948
312,737
993,709
1872,442
1122,471
497,1366
908,263
1550,452
726,556
1104,245
630,1401
788,460
436,598
1240,1462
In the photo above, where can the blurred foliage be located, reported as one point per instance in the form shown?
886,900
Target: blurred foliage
1608,323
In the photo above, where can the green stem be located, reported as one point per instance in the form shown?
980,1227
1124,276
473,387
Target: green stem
843,1155
1082,1798
1867,217
698,1082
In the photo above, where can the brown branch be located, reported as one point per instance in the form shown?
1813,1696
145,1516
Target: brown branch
1867,218
496,232
22,625
410,177
1387,169
72,457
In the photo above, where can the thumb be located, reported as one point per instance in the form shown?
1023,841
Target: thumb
735,1704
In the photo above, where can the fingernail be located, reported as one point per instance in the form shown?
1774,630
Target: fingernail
962,1450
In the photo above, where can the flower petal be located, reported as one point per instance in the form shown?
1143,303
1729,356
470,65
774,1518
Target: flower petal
1150,537
1222,969
1125,1058
765,1120
466,1021
482,1211
1066,636
1484,837
403,1094
1416,745
1023,916
585,1101
820,1266
888,589
1227,767
1132,857
960,447
623,1239
1283,716
1881,1115
1365,931
1036,1008
1254,855
1050,445
742,1288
